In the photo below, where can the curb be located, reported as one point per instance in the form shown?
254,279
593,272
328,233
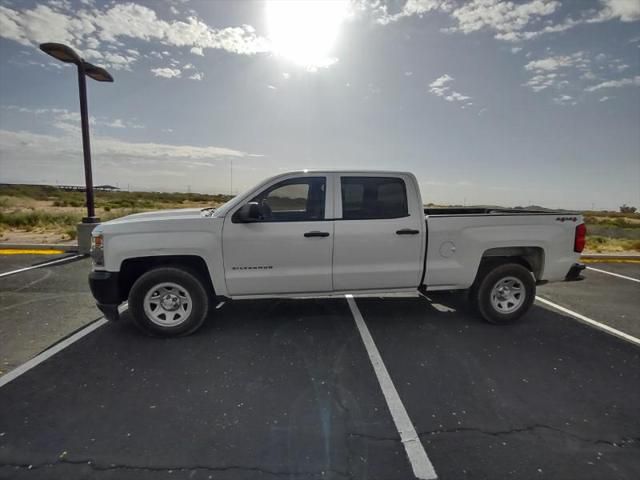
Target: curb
40,246
610,256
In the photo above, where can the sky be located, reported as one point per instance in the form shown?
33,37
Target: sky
487,102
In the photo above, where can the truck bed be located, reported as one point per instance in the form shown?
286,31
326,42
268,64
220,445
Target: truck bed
451,211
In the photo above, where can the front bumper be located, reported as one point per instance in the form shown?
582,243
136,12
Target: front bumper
574,273
106,290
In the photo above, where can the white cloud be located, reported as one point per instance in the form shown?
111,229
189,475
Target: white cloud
441,81
411,7
88,27
569,74
70,121
624,10
624,82
552,71
565,100
197,76
441,87
166,72
111,147
553,63
603,99
509,20
139,22
505,18
41,24
113,61
52,157
456,97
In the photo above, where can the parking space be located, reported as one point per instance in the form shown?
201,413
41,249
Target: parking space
269,389
511,402
631,269
273,389
38,307
608,299
11,262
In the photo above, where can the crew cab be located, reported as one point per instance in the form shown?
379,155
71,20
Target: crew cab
326,233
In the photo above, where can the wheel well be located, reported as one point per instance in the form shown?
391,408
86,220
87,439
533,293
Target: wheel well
133,268
532,258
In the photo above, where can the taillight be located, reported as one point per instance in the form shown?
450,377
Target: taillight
581,238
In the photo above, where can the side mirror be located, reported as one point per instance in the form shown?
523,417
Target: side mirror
251,212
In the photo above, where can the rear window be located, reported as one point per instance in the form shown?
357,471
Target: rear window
373,198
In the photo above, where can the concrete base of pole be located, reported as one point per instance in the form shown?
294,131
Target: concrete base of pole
84,237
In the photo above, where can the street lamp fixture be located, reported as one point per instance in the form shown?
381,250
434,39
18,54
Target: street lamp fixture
67,54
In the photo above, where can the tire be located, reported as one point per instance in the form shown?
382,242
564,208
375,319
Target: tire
503,293
168,302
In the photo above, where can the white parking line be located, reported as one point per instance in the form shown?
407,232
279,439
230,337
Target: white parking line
593,323
614,274
420,463
50,352
52,262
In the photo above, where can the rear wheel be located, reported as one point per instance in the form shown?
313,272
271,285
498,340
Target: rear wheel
503,293
168,301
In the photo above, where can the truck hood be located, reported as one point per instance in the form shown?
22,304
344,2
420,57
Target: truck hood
177,214
182,220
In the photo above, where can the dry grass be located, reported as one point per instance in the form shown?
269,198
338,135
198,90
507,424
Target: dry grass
597,244
31,214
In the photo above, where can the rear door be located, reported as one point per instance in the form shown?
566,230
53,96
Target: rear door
290,249
379,233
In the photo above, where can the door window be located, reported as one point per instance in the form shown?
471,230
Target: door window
299,199
373,198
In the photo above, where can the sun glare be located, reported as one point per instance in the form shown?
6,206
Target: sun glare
305,32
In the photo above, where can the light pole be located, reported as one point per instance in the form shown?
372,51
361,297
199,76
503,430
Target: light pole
68,55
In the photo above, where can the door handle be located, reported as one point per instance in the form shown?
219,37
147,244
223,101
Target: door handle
407,231
316,234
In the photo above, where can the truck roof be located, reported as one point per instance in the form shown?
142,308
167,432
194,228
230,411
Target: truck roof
344,170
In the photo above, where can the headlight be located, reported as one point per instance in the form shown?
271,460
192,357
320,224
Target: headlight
97,249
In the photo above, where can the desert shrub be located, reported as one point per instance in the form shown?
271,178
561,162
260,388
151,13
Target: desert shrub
71,233
30,219
627,209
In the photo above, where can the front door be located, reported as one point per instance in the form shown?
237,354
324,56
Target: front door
289,250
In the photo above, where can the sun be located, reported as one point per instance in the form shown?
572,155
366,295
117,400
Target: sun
305,31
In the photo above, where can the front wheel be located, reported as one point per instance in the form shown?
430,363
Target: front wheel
504,293
168,301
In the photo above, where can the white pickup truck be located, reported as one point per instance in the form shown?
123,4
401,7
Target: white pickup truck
325,233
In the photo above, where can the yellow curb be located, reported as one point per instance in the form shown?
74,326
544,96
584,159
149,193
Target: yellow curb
18,251
608,260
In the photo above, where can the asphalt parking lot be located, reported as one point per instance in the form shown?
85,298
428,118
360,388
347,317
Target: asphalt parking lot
286,388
